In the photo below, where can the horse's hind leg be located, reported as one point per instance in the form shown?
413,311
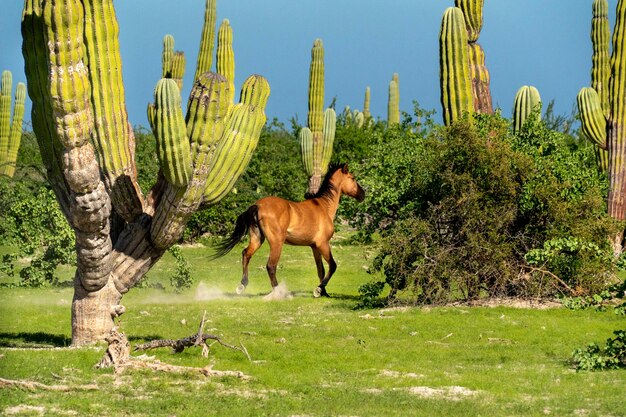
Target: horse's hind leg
272,262
324,250
318,263
256,240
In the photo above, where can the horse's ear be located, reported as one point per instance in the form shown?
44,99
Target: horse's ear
344,169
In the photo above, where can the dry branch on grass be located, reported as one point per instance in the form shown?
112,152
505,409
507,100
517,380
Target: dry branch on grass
118,353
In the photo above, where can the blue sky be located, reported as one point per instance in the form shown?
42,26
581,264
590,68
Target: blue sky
544,43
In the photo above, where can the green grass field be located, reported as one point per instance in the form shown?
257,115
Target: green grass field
310,357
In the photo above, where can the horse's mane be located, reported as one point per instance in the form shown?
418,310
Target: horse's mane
326,188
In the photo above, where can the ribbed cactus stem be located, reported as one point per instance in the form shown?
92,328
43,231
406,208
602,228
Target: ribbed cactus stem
173,148
527,102
600,40
205,54
239,140
8,157
393,110
113,136
5,116
306,147
454,73
316,112
330,126
208,106
178,69
366,104
90,206
167,57
473,12
616,130
316,87
592,117
35,51
226,56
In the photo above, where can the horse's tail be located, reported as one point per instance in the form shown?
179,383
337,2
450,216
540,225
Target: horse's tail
247,219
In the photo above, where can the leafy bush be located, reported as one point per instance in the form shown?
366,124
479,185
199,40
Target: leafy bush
596,358
458,209
181,278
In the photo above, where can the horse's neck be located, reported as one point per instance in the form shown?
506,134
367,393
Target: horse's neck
331,202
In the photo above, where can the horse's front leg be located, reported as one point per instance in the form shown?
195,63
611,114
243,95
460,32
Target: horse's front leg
325,251
318,263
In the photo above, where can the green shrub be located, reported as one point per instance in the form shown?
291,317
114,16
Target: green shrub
596,358
459,208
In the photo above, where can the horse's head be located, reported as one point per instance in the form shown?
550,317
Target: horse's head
347,184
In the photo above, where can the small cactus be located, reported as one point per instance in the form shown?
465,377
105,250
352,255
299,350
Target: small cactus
393,104
10,132
366,104
527,101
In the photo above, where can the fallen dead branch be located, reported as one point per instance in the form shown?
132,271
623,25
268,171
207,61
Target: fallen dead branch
33,385
118,354
198,339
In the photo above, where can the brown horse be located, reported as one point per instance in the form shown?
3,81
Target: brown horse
305,223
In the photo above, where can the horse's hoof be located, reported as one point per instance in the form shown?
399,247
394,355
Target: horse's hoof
240,289
317,292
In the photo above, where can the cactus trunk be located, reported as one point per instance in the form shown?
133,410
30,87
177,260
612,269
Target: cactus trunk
393,105
456,86
616,125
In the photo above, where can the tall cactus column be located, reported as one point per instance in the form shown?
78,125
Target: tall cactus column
454,72
616,126
316,140
10,132
473,13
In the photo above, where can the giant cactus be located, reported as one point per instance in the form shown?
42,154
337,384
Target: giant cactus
10,132
527,101
79,117
316,140
594,108
454,72
473,13
393,103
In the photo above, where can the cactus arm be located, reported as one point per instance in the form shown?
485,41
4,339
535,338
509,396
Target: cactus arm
592,117
456,87
527,101
35,52
330,126
5,116
173,148
205,54
473,12
225,56
239,139
15,136
600,40
113,137
208,107
167,56
178,69
306,147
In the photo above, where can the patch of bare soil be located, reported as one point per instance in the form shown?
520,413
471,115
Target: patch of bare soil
454,393
538,304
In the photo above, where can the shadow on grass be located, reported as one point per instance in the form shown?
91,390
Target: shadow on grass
34,340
